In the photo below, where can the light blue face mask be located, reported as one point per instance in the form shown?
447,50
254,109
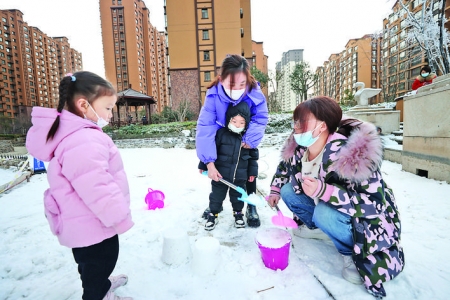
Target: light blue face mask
306,139
425,75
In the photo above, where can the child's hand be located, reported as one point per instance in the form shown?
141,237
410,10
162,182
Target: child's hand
201,171
251,178
246,146
212,172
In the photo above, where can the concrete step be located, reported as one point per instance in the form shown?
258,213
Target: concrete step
398,132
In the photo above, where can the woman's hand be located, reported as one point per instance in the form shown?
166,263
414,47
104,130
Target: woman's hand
273,200
251,178
246,146
309,185
212,172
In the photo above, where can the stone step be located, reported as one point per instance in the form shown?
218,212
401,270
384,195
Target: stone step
398,139
398,132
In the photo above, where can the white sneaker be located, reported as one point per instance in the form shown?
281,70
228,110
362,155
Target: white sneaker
117,281
349,272
111,296
304,232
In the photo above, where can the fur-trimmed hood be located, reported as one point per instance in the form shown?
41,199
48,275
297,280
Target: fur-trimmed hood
430,77
354,158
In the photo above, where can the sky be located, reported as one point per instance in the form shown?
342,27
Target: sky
48,272
320,27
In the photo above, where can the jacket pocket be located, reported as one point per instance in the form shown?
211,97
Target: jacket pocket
52,213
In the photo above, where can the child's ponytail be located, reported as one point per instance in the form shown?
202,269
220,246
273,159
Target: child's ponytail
64,94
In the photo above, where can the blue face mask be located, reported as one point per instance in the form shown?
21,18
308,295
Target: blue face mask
306,139
424,75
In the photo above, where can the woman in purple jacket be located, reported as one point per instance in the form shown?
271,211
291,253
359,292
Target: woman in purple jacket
235,84
88,202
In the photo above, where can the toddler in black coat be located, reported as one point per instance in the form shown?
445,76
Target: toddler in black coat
235,163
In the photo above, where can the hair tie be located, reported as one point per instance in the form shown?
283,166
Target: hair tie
71,75
58,113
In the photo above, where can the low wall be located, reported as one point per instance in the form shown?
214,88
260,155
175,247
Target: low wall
393,155
6,146
426,131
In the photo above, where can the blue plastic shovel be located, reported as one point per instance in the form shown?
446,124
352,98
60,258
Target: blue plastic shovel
252,199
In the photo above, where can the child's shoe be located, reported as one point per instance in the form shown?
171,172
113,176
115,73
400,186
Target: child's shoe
238,219
211,221
111,296
252,216
207,211
117,281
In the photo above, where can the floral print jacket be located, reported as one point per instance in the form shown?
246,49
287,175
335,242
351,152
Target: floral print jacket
350,179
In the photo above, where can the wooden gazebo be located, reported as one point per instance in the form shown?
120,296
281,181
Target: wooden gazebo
130,97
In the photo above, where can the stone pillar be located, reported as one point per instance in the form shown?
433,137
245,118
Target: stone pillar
426,131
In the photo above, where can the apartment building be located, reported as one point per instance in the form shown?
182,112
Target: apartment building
199,35
358,62
134,50
402,61
32,64
285,96
259,60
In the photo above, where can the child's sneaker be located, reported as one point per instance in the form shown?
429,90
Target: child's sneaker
207,211
238,219
117,281
111,296
211,221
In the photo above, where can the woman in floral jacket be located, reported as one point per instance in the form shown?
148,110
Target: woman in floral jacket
330,178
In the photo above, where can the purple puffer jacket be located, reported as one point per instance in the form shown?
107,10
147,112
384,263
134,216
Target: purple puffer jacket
212,118
88,199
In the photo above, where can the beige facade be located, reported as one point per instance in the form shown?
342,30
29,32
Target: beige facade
134,50
259,61
32,64
358,62
200,33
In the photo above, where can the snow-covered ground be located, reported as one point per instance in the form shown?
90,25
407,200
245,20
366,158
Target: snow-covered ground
34,266
6,175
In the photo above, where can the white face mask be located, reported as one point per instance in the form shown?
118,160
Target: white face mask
234,94
235,129
100,121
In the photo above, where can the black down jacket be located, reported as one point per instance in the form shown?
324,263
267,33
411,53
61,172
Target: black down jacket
233,161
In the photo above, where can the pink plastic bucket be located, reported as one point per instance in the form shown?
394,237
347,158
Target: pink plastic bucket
154,199
274,244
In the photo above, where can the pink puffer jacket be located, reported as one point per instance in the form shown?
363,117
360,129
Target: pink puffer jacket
88,200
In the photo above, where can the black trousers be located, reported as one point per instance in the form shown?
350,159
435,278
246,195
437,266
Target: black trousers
251,187
95,265
219,192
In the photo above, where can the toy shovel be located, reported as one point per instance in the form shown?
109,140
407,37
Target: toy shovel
252,199
281,220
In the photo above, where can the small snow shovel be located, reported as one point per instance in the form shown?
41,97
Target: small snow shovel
281,220
252,199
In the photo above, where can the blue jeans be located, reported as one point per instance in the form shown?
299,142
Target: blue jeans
337,225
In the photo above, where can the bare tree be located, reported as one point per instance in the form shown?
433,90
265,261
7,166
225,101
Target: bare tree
302,79
274,103
432,37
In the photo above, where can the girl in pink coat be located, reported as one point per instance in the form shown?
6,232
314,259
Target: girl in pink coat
88,202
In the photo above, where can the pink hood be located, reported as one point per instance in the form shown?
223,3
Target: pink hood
42,119
88,199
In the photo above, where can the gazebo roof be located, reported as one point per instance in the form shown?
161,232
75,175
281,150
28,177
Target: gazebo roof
134,98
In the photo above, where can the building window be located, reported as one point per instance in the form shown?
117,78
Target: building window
205,34
204,13
207,76
242,32
241,11
206,55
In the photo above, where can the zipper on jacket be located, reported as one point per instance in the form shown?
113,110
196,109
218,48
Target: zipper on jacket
239,155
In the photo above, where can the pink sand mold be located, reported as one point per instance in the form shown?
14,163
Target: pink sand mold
154,199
